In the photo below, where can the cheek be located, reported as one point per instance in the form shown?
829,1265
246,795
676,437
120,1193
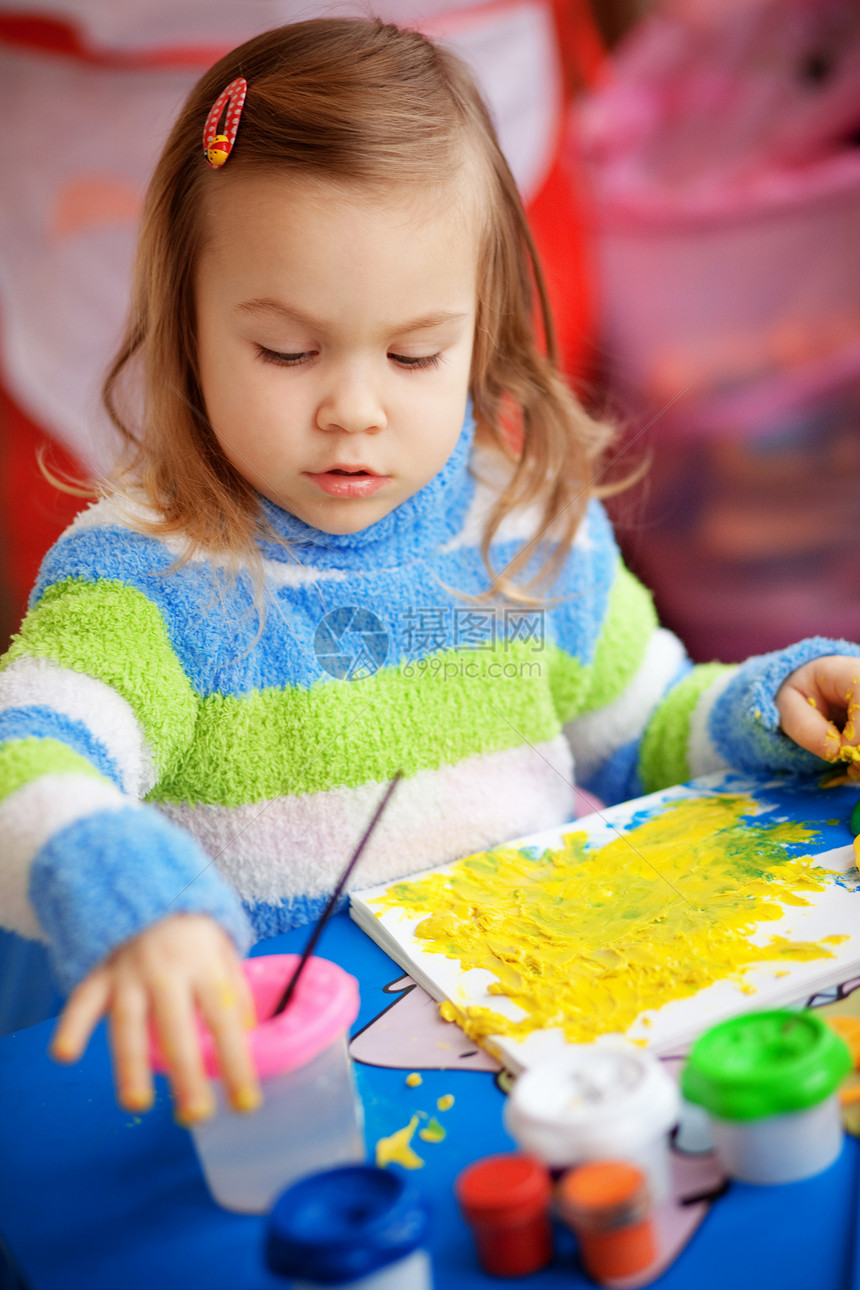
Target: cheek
238,398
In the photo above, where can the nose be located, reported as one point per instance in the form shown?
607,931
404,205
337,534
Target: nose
352,401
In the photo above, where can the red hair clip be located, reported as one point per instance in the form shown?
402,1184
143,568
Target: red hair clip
217,147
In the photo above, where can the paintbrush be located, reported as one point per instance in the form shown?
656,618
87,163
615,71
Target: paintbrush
290,987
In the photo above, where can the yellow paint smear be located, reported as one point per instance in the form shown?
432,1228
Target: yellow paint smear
586,938
432,1131
397,1149
848,750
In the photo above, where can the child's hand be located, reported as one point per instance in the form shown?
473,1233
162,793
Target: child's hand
180,963
818,708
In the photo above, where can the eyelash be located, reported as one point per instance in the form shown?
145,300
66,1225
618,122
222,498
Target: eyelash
283,360
298,360
426,361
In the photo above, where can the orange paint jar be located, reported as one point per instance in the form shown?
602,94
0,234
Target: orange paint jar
608,1205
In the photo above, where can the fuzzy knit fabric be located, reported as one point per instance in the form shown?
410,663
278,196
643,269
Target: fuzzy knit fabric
167,746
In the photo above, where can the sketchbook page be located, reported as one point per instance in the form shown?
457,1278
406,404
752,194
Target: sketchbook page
828,915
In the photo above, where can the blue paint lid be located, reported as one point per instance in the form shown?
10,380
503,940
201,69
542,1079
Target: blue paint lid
342,1224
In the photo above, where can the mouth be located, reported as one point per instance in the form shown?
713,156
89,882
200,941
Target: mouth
348,481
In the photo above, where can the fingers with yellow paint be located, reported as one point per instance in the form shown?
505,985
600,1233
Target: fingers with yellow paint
818,707
180,967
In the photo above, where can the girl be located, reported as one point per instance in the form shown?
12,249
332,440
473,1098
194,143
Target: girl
324,562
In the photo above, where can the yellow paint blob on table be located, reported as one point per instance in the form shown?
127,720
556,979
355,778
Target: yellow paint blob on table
397,1148
445,1102
432,1131
414,1080
586,938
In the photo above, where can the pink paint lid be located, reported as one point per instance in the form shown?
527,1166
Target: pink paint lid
323,1006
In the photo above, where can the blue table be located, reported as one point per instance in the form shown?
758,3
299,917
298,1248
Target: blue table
92,1198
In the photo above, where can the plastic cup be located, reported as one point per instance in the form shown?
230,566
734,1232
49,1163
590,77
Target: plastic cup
311,1117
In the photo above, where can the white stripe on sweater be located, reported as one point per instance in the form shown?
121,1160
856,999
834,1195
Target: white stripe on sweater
702,754
492,472
28,819
43,683
596,736
299,845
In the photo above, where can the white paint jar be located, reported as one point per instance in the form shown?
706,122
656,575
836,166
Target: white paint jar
606,1101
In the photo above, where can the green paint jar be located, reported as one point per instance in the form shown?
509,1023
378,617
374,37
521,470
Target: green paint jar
768,1081
854,824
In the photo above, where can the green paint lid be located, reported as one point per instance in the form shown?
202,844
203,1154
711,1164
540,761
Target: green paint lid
855,820
765,1063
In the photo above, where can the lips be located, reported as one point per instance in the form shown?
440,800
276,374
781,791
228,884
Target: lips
348,481
349,470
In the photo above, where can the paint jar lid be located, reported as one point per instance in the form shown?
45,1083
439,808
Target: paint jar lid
604,1195
854,823
593,1101
504,1188
765,1063
342,1224
323,1007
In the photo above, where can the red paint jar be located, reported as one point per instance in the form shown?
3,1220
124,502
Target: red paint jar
506,1202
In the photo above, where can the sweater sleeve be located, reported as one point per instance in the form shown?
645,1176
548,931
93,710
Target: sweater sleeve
648,717
94,709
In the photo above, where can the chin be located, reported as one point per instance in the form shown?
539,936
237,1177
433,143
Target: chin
352,520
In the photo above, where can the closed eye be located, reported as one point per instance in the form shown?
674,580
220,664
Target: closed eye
285,360
426,360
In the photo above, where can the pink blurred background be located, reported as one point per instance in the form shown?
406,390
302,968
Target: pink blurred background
692,173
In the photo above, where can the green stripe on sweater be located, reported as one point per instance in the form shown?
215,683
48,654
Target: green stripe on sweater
23,760
627,629
419,716
664,755
111,631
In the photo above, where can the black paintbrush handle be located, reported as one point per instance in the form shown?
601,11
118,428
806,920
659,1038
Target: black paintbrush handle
290,987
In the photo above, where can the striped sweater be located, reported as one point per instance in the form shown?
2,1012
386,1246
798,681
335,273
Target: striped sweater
164,747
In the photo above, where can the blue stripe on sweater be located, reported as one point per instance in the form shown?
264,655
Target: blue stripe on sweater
269,919
214,630
34,722
617,778
104,878
585,585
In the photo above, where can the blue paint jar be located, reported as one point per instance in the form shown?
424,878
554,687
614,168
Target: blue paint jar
356,1226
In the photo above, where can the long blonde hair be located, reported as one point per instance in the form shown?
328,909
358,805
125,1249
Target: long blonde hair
364,104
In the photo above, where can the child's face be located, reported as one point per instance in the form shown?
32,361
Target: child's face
335,341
